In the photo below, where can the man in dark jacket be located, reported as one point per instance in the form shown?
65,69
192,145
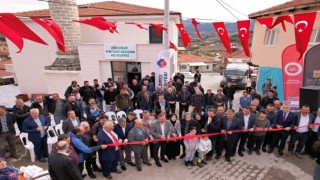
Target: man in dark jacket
55,106
213,124
184,99
74,86
21,112
7,133
61,165
268,99
229,92
42,105
162,105
208,97
228,124
144,98
272,117
171,98
110,98
197,101
122,130
71,104
87,92
135,88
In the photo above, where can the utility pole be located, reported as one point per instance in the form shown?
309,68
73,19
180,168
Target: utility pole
166,24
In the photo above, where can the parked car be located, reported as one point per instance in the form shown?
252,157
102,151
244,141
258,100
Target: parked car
237,74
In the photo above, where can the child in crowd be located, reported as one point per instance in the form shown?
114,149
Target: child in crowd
204,147
191,144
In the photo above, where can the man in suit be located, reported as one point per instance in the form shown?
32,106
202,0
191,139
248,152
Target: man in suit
247,119
61,166
272,117
228,124
108,157
285,119
36,126
301,131
160,129
122,129
7,133
137,134
146,123
162,105
213,124
186,123
71,122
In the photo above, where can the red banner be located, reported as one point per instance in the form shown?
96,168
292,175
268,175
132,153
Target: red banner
244,34
184,35
303,26
281,19
266,22
223,34
292,72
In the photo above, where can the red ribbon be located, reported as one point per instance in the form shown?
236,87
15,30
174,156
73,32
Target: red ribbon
201,135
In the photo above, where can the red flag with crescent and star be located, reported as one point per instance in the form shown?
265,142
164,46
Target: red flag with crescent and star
54,30
223,34
281,19
195,24
266,22
100,23
303,25
25,32
159,28
244,34
173,46
184,35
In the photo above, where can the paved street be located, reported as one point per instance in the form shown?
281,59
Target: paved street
265,166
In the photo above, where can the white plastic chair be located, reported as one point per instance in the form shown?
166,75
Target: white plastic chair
58,129
121,114
52,138
27,145
139,113
112,116
16,129
52,122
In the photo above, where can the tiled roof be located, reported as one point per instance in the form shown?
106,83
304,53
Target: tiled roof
107,8
287,6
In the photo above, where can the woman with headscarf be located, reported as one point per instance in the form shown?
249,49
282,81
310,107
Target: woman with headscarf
173,147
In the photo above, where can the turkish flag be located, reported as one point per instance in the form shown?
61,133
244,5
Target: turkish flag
195,24
223,34
54,30
244,34
184,35
159,28
266,22
281,19
14,23
12,35
137,24
173,46
100,23
303,25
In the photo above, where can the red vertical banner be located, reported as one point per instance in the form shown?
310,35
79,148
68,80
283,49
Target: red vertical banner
244,34
292,72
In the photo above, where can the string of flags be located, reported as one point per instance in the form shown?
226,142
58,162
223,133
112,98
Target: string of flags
15,30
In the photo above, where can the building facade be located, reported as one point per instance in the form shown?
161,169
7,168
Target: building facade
268,45
29,65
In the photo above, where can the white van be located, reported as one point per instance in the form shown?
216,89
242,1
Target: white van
237,74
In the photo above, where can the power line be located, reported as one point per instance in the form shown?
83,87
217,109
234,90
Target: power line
227,10
234,9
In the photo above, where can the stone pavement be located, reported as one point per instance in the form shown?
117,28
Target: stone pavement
250,167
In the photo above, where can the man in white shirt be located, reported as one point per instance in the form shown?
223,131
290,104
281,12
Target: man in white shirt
301,131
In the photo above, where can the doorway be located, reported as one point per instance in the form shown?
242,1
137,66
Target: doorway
126,70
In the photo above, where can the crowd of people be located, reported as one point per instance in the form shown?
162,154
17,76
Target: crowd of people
88,132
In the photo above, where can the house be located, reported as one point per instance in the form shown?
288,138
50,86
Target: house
144,45
190,63
268,45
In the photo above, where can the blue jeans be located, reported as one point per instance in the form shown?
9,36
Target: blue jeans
207,107
145,107
100,102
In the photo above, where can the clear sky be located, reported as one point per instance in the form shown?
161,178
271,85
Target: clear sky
203,9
